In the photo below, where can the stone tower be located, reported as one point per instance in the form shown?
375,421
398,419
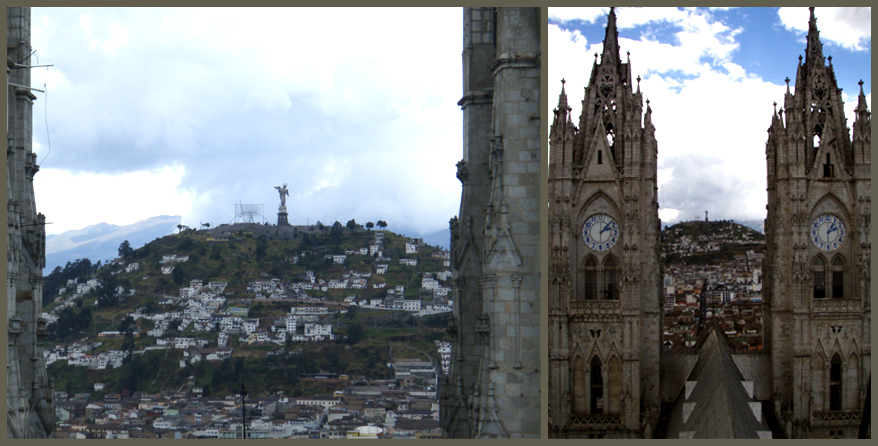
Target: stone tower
30,411
493,390
818,253
604,269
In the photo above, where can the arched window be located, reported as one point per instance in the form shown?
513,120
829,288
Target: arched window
597,387
611,279
838,277
835,383
580,400
590,273
819,278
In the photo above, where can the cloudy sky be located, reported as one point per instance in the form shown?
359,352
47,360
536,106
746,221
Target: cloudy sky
711,76
189,111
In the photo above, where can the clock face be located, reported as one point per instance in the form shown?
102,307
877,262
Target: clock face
600,232
827,232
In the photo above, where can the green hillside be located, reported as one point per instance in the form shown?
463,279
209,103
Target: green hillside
240,254
708,242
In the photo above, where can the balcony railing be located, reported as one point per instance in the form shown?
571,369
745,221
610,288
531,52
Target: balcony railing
836,418
604,421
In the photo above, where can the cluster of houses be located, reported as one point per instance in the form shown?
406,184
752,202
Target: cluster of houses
78,355
394,408
405,407
729,291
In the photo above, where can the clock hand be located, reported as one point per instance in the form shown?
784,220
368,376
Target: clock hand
831,229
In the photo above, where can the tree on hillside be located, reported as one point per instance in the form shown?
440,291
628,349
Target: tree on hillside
381,224
261,249
125,249
106,292
370,225
177,275
355,333
352,224
352,311
335,232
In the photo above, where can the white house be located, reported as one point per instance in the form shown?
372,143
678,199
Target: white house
250,325
411,305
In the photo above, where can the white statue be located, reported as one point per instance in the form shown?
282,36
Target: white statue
283,194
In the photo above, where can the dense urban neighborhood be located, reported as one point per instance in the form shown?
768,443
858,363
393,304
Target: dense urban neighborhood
713,270
361,326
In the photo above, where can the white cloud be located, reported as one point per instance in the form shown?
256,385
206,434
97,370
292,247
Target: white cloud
588,15
247,99
850,28
121,199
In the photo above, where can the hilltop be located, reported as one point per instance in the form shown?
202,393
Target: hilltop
700,242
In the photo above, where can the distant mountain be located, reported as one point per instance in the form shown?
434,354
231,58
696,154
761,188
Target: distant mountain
439,238
101,241
756,225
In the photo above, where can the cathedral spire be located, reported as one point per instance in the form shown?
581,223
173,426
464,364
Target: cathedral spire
861,100
814,49
562,98
611,41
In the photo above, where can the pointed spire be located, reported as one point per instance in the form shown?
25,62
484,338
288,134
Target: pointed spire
647,119
787,80
814,49
611,41
562,98
638,84
861,100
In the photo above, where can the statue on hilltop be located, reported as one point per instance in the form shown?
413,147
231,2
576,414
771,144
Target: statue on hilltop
283,194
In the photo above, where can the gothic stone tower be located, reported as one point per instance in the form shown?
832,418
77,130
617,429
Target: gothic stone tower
30,411
604,269
817,305
493,390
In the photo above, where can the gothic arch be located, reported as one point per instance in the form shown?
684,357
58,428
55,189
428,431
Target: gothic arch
854,347
831,204
836,389
589,270
614,380
596,386
820,384
579,388
592,202
837,275
610,277
818,277
851,386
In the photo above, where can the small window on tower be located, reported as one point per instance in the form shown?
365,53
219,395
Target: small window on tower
837,277
827,168
819,269
600,156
